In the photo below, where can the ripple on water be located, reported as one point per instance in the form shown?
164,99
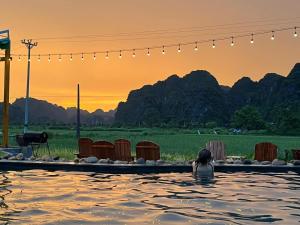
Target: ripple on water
41,197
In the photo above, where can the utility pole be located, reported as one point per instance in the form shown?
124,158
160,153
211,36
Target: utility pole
29,45
78,113
5,45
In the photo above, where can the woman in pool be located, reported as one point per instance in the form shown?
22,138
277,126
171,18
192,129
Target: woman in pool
202,166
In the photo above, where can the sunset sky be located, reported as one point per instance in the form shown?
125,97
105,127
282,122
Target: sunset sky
132,24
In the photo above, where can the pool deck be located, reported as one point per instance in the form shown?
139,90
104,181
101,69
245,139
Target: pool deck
14,165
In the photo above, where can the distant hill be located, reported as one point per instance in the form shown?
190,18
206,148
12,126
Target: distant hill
197,98
43,112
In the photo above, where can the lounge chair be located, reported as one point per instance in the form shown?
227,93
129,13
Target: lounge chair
84,146
103,150
265,151
217,149
123,150
147,150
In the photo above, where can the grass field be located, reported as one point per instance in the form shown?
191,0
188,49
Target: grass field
176,144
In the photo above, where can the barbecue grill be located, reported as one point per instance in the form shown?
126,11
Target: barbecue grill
35,140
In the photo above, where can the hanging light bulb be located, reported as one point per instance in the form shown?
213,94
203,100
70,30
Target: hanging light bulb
213,45
163,50
196,46
148,52
39,58
120,55
273,36
59,58
19,58
179,49
82,58
49,58
71,57
106,56
133,53
295,33
232,42
252,39
94,57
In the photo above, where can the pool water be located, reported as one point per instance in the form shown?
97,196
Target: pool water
42,197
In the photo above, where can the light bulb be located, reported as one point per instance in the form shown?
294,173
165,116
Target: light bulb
252,39
120,55
196,46
133,53
232,42
179,49
94,56
295,33
148,52
163,50
19,58
213,45
82,58
273,36
71,57
59,58
106,56
39,58
49,58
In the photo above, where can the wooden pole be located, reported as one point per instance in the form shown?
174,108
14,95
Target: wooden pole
6,97
78,112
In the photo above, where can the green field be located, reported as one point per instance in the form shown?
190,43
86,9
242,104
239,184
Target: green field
176,144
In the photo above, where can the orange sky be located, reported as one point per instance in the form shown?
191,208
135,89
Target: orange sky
105,82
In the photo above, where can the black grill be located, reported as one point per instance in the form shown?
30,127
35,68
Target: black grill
32,138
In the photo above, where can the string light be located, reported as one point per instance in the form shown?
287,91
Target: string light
179,45
273,36
196,46
232,42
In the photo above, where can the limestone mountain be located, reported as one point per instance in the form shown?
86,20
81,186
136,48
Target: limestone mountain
197,98
43,112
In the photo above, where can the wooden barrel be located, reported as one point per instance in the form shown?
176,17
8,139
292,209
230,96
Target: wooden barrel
265,151
296,154
84,145
103,150
147,150
123,150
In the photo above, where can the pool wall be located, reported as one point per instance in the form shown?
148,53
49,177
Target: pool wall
9,165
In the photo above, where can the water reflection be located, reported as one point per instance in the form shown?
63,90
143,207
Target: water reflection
41,197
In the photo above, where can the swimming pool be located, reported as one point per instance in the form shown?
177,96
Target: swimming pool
42,197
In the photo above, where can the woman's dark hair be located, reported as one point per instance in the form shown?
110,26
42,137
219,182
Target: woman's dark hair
204,156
